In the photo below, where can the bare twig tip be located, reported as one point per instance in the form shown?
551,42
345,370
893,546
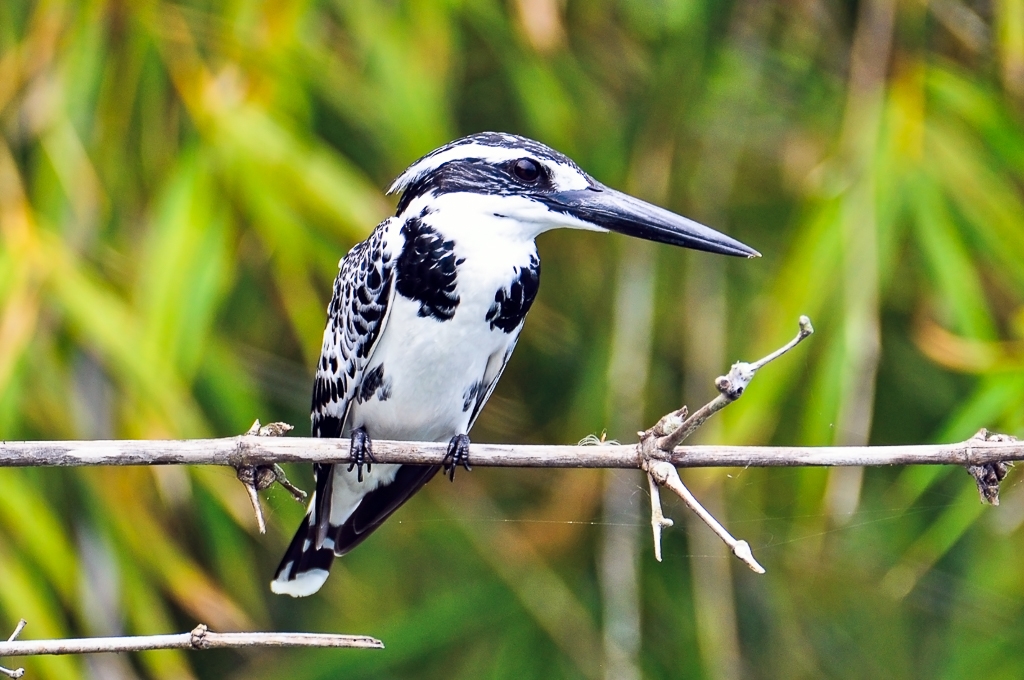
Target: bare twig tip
741,549
805,326
658,519
17,630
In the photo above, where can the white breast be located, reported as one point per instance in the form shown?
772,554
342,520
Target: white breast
429,364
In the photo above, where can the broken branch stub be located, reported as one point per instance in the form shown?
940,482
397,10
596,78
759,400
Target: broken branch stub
14,672
256,478
989,475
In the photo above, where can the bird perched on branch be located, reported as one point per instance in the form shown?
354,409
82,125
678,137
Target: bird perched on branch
426,312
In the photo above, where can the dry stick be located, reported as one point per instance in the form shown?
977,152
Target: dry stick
256,478
658,519
259,451
730,388
664,474
256,454
198,639
661,441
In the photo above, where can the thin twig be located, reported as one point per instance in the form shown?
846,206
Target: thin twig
658,519
660,442
17,672
199,638
730,388
665,475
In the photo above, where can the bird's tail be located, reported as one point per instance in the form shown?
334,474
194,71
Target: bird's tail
304,567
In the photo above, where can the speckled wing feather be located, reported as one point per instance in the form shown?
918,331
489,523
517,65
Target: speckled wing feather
356,316
358,312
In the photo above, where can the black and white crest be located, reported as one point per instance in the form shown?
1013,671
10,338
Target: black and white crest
482,164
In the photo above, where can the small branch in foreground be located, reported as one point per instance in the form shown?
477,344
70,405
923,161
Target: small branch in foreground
199,638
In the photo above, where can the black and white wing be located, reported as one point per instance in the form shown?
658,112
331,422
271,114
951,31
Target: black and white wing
356,317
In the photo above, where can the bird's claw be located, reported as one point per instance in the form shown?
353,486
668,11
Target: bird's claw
361,452
458,454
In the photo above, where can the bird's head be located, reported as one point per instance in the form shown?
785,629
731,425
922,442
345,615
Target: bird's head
536,188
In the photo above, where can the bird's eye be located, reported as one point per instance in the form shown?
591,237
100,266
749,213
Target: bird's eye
526,170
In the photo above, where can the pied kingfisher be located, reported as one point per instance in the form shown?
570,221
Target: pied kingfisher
427,311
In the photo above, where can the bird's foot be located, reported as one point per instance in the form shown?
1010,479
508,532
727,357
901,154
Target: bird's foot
458,454
361,452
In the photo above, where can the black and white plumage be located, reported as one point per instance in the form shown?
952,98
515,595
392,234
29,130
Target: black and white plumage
426,312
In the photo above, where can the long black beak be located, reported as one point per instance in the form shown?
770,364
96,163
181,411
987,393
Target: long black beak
614,210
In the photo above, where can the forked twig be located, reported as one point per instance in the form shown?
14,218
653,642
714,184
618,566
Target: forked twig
17,672
256,478
659,442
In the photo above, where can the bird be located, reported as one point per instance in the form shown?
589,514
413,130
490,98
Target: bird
426,312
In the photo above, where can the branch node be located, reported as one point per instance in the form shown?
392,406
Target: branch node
988,475
269,430
258,478
670,431
198,636
669,423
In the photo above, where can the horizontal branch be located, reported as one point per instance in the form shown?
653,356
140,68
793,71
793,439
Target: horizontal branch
198,639
658,452
258,451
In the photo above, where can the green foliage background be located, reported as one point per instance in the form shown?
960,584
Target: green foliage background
179,180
